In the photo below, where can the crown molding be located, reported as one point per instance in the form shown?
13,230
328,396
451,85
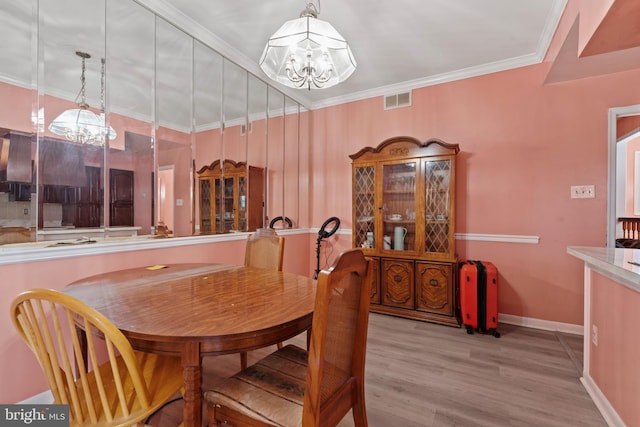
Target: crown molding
537,57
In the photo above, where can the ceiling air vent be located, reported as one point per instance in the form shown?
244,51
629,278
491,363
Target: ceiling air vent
398,100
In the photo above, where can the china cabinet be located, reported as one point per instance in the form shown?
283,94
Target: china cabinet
231,197
403,218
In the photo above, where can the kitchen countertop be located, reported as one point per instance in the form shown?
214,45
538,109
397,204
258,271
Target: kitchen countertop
621,265
61,233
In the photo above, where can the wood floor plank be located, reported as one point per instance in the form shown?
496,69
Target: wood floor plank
422,375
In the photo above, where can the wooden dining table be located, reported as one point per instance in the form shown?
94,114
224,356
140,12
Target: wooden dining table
196,310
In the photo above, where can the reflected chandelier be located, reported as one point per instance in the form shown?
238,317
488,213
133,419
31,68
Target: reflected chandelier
81,124
307,52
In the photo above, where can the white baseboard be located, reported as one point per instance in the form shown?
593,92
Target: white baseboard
602,403
546,325
43,398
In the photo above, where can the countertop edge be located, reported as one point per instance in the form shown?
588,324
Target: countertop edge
614,263
43,251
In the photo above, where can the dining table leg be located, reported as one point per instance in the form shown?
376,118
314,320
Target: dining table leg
192,372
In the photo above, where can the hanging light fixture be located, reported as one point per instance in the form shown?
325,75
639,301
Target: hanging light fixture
81,124
307,52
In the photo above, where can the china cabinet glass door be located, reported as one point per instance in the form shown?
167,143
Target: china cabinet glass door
399,206
437,212
219,208
242,203
364,205
205,206
229,212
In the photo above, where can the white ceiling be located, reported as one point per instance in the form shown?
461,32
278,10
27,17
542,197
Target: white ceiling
398,44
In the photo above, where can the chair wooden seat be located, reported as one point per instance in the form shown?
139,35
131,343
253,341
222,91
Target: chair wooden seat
271,391
123,389
292,387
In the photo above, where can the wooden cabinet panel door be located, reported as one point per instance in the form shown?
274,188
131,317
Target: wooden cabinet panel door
397,283
434,287
375,283
121,191
87,215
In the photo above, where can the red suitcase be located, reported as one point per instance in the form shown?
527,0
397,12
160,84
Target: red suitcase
479,297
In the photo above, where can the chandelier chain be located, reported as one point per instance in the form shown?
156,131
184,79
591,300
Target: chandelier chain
80,124
102,84
82,94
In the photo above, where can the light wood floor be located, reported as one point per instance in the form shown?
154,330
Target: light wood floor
421,374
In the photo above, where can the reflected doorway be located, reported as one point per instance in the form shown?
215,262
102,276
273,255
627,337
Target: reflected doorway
121,190
624,124
165,195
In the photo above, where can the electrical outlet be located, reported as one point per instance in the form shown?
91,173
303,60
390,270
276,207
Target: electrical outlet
594,335
583,191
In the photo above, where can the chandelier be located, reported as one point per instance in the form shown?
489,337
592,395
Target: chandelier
307,52
81,124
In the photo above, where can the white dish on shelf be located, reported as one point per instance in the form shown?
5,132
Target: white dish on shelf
365,218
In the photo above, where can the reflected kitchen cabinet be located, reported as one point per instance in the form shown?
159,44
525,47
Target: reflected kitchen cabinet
19,192
88,199
121,191
16,165
16,161
231,198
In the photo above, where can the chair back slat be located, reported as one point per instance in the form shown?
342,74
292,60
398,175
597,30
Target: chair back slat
265,249
83,368
338,340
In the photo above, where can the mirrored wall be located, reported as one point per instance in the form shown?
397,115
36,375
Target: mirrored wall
180,140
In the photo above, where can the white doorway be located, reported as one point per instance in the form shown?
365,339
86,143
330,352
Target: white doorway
165,195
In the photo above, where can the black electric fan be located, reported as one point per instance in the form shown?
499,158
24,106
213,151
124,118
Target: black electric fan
323,234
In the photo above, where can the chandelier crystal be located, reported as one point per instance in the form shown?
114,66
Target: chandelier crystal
81,124
307,52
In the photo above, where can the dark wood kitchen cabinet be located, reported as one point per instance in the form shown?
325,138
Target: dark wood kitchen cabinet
19,192
121,197
89,199
55,194
16,160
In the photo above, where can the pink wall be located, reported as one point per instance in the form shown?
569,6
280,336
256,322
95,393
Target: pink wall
591,16
16,115
523,144
613,363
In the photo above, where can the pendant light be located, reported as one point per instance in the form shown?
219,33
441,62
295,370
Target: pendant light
307,53
81,124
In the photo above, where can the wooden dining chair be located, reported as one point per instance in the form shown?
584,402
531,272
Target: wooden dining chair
293,387
265,249
122,390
